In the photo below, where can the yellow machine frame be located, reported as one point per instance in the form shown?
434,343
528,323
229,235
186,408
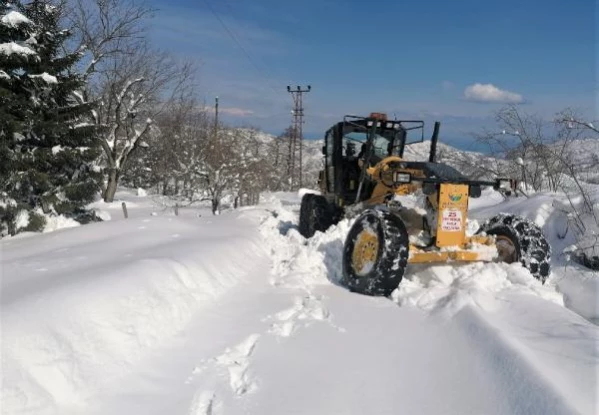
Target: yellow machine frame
451,204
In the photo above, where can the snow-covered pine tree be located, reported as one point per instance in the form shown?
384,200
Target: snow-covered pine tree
49,147
13,26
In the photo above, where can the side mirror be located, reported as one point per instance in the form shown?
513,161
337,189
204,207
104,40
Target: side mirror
324,150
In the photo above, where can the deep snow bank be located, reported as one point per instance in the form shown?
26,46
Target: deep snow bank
535,355
80,307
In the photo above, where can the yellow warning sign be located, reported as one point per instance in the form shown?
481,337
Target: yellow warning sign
453,208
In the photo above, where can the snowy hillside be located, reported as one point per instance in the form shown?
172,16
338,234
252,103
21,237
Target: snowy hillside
585,154
238,314
475,162
471,163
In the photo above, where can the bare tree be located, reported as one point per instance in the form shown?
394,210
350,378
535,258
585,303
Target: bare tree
529,145
130,81
133,93
107,29
254,166
278,159
186,148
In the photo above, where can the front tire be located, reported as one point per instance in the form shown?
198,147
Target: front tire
375,255
520,240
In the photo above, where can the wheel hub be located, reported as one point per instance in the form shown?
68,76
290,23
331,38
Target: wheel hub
506,249
365,252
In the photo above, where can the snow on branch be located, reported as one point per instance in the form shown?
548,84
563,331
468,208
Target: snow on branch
133,142
46,77
12,48
127,87
14,19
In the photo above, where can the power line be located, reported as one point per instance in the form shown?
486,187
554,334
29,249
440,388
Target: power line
236,40
268,71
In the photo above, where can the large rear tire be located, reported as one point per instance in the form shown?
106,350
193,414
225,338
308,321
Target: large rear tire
520,240
316,214
375,255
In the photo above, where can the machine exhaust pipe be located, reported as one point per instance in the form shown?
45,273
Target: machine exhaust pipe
434,140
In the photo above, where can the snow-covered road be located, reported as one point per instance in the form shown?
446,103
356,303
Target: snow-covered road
238,314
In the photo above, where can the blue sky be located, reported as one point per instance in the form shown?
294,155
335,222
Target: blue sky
453,61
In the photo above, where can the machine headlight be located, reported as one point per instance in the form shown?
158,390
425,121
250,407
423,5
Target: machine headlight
399,177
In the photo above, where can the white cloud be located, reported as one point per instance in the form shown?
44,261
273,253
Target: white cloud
235,112
490,93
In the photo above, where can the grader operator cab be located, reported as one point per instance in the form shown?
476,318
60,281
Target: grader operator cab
407,211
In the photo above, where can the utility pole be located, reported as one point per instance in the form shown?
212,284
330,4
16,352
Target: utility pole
215,116
296,139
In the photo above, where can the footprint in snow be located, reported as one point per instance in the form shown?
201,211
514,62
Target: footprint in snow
308,308
204,403
237,360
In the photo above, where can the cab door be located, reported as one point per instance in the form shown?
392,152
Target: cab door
329,165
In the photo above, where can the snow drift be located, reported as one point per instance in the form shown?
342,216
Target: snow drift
80,309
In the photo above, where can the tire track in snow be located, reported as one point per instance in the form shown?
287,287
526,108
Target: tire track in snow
530,388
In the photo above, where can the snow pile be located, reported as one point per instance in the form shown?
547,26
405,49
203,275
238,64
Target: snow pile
581,290
581,217
440,289
300,262
449,288
22,219
56,222
432,288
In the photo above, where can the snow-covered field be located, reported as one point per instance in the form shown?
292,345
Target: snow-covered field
238,314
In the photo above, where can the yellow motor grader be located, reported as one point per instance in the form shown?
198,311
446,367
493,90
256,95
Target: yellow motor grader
407,211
